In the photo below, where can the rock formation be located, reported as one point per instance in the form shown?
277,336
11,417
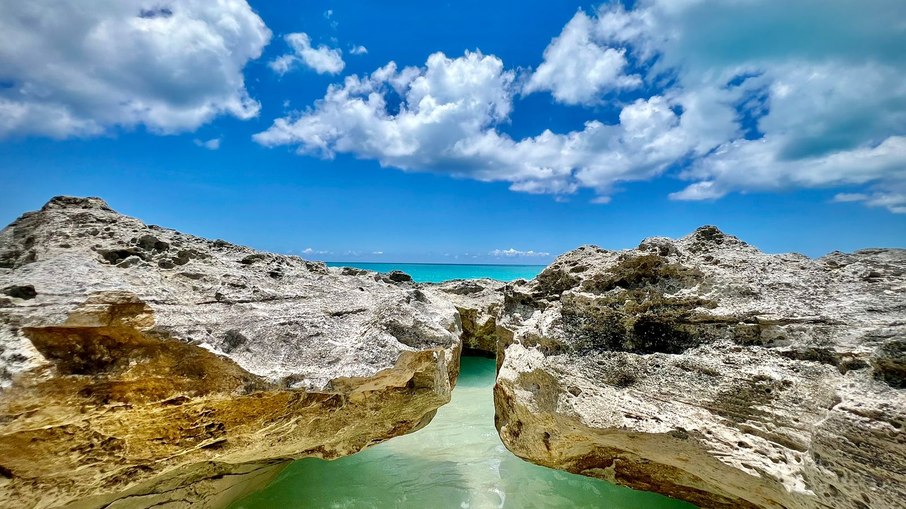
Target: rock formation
707,370
142,367
479,302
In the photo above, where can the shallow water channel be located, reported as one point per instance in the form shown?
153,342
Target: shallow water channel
455,462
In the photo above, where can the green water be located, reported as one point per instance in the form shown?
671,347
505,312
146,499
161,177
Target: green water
440,272
456,462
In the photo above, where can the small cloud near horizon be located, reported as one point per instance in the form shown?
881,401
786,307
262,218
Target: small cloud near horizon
509,253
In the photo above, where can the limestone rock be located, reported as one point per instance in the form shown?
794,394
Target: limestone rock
141,366
479,302
707,370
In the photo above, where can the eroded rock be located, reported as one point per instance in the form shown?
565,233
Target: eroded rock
149,367
707,370
479,302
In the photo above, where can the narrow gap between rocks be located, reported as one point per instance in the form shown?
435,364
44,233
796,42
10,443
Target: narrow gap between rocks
457,461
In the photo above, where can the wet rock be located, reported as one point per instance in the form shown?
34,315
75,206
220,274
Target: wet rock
707,370
124,382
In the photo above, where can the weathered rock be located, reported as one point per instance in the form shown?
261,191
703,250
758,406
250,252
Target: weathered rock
398,276
142,367
479,302
707,370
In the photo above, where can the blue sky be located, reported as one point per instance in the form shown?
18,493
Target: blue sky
505,132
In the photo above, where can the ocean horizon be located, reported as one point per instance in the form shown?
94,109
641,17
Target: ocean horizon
440,272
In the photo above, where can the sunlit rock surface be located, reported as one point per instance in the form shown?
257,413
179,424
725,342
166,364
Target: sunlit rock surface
145,367
707,370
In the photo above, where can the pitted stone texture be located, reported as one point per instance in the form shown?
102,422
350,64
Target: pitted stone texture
479,302
144,366
707,370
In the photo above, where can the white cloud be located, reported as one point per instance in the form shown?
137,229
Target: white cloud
68,69
830,111
578,70
212,144
358,50
850,197
310,251
510,253
754,95
447,101
323,59
755,165
892,199
445,123
819,80
377,253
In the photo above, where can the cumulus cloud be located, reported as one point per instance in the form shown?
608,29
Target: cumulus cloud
758,95
773,95
577,70
408,118
311,251
817,82
754,165
321,59
833,113
510,253
442,118
358,50
69,69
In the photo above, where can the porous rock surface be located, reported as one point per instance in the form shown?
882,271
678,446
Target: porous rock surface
707,370
479,303
144,367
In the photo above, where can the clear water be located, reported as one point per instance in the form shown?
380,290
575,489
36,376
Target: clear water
456,462
438,273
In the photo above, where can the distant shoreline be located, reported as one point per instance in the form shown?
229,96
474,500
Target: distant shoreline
441,272
352,264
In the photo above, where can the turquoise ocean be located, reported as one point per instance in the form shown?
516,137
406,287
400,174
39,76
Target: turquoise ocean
438,272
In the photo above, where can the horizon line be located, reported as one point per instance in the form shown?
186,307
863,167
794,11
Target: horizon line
430,263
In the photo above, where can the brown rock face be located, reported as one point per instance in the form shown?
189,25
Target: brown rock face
143,367
704,369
